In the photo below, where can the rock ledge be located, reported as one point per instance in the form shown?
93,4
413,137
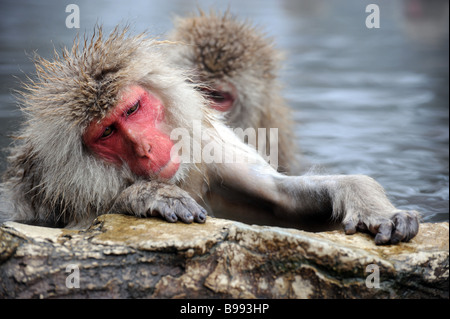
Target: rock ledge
126,257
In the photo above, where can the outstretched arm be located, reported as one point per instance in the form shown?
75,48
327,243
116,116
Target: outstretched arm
358,201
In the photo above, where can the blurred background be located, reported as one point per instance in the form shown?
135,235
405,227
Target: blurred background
367,101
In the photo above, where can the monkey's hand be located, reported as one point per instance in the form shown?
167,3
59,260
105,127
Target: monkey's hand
159,199
366,208
399,226
359,201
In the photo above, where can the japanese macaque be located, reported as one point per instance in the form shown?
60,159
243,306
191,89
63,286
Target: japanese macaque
102,135
236,66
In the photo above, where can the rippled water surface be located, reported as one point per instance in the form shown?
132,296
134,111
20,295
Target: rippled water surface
366,101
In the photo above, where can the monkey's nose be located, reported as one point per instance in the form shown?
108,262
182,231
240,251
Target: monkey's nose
140,147
143,150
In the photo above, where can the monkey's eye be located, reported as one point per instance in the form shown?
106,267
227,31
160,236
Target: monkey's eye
108,131
216,96
133,109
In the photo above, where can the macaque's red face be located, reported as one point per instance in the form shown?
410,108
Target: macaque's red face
131,133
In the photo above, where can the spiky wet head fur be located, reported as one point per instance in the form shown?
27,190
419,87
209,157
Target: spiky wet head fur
224,46
51,175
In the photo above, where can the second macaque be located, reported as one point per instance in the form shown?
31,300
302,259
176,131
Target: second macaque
236,66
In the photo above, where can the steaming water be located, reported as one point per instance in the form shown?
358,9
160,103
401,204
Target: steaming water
366,101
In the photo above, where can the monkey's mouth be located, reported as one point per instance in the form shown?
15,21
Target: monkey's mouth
169,169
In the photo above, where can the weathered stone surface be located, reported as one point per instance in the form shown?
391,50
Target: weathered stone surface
122,256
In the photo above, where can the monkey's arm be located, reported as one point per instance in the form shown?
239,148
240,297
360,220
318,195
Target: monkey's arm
153,198
358,201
